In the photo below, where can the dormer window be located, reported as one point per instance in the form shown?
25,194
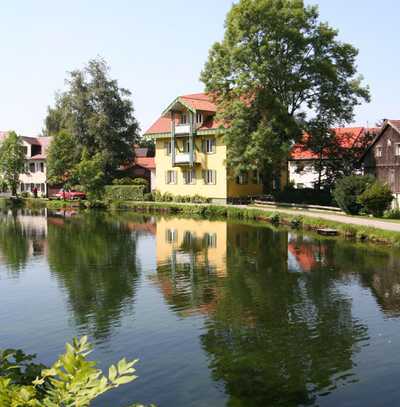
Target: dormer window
183,118
199,117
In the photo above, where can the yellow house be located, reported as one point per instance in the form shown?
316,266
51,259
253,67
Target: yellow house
191,153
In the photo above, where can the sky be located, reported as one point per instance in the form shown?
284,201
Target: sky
157,49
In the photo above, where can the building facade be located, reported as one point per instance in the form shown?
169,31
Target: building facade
191,154
302,161
382,158
35,171
35,174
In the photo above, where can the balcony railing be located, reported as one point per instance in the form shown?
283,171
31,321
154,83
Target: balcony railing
183,158
182,129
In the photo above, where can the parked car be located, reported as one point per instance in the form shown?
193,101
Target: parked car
70,194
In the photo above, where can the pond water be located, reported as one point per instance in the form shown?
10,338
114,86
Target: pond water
218,313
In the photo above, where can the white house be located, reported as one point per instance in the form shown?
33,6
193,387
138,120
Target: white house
301,164
35,173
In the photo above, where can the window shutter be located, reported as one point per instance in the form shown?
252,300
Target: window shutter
213,145
203,147
214,177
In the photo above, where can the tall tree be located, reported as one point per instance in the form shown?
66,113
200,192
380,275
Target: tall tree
12,160
98,115
277,68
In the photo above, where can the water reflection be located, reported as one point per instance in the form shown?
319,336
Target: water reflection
277,319
273,337
94,258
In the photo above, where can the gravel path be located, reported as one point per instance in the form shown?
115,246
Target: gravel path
375,223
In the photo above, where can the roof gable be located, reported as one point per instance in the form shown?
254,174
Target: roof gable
394,124
193,102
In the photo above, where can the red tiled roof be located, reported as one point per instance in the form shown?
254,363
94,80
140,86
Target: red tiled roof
347,137
145,162
198,101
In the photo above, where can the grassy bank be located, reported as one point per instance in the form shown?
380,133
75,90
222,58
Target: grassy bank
355,232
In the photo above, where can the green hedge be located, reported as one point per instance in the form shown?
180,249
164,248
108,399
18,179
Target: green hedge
125,192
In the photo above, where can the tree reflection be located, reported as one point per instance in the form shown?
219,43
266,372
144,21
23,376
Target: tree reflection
94,258
274,337
278,338
14,242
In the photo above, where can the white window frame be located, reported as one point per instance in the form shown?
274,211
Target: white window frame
183,118
189,177
210,177
199,117
209,146
170,177
210,240
33,166
171,236
397,149
242,179
378,151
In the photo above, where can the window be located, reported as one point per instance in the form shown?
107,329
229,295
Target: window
41,166
22,187
42,188
170,177
188,177
242,179
210,240
256,177
183,118
210,176
199,117
186,146
378,151
168,148
171,235
209,146
32,167
397,149
25,148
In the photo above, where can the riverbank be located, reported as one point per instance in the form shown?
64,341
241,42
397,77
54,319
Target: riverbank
349,227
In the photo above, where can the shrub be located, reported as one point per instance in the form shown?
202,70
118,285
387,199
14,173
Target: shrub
307,196
376,199
72,380
125,192
140,181
347,191
275,219
297,222
392,214
122,181
348,230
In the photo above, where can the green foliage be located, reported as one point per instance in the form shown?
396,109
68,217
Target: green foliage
168,197
376,198
12,160
296,222
276,62
308,196
140,181
392,214
92,113
71,381
63,156
90,173
125,192
348,189
122,181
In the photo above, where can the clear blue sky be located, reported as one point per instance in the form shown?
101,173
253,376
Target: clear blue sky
157,48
